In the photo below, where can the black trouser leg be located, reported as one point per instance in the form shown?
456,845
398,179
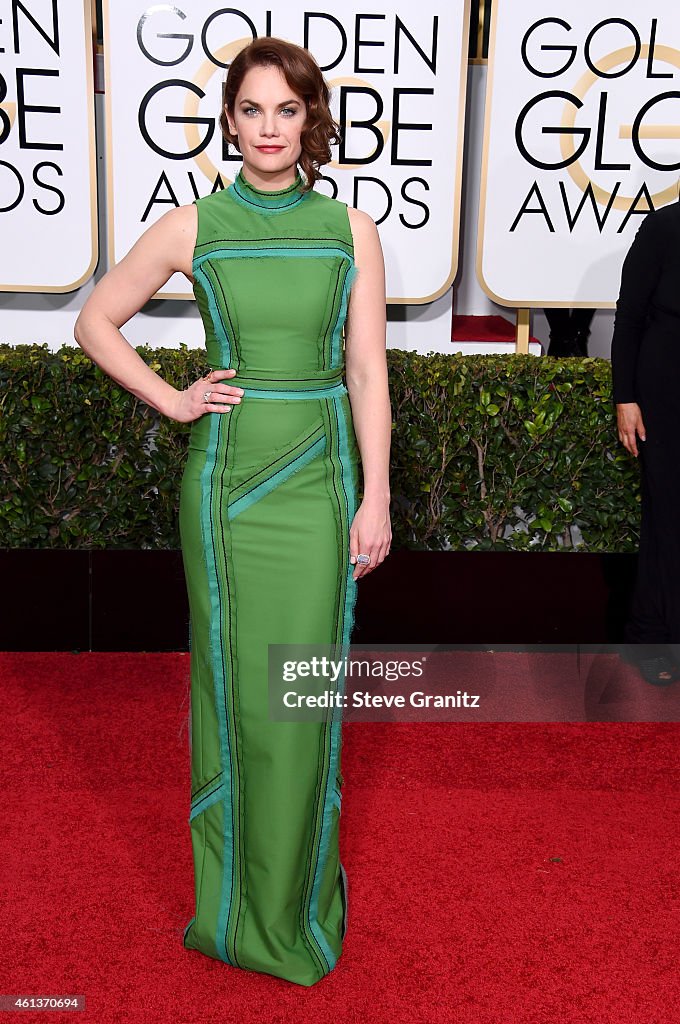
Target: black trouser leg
581,319
655,611
558,322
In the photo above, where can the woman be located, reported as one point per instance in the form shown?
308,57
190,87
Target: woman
646,377
272,538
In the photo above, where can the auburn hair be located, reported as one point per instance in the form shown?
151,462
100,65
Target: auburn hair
303,75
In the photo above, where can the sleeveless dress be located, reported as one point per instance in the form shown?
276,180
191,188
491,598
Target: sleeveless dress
268,494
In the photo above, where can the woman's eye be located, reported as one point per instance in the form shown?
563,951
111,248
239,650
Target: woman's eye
288,111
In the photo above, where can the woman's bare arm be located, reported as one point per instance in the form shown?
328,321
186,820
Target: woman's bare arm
366,375
165,248
365,358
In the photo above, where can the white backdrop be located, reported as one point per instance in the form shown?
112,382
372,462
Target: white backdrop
400,72
593,87
422,328
48,208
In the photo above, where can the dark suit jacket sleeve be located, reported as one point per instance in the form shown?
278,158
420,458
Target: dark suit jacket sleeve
639,277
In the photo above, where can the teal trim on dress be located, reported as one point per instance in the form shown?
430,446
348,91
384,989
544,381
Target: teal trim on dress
342,313
241,504
334,391
267,200
217,664
206,801
254,253
218,323
350,494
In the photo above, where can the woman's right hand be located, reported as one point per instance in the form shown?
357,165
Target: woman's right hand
190,404
630,426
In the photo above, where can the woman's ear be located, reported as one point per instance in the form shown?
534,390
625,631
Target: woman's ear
230,122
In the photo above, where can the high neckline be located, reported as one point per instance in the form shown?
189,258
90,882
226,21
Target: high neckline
268,199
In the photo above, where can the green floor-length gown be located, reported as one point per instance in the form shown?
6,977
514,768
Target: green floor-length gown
268,494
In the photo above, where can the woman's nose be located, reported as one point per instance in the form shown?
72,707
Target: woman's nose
269,125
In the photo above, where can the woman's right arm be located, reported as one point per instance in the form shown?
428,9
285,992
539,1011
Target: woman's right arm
164,249
639,278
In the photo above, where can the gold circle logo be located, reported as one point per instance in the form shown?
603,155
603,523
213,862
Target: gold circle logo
668,55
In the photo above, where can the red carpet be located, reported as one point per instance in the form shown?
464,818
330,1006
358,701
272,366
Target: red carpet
483,328
498,873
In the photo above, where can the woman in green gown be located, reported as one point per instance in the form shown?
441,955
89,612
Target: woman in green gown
290,287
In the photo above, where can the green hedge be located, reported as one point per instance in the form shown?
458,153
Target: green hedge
488,452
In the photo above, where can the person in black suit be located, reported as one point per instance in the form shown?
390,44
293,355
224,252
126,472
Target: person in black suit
569,331
646,388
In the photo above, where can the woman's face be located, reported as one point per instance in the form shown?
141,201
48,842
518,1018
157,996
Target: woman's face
268,119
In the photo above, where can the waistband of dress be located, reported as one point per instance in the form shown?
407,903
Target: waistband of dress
270,384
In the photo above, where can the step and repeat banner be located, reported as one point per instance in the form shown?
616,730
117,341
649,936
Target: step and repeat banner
581,133
397,75
581,140
48,183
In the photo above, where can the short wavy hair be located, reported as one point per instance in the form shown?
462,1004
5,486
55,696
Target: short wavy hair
304,77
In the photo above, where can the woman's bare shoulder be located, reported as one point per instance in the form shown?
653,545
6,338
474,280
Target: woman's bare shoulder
365,237
181,219
176,231
360,221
